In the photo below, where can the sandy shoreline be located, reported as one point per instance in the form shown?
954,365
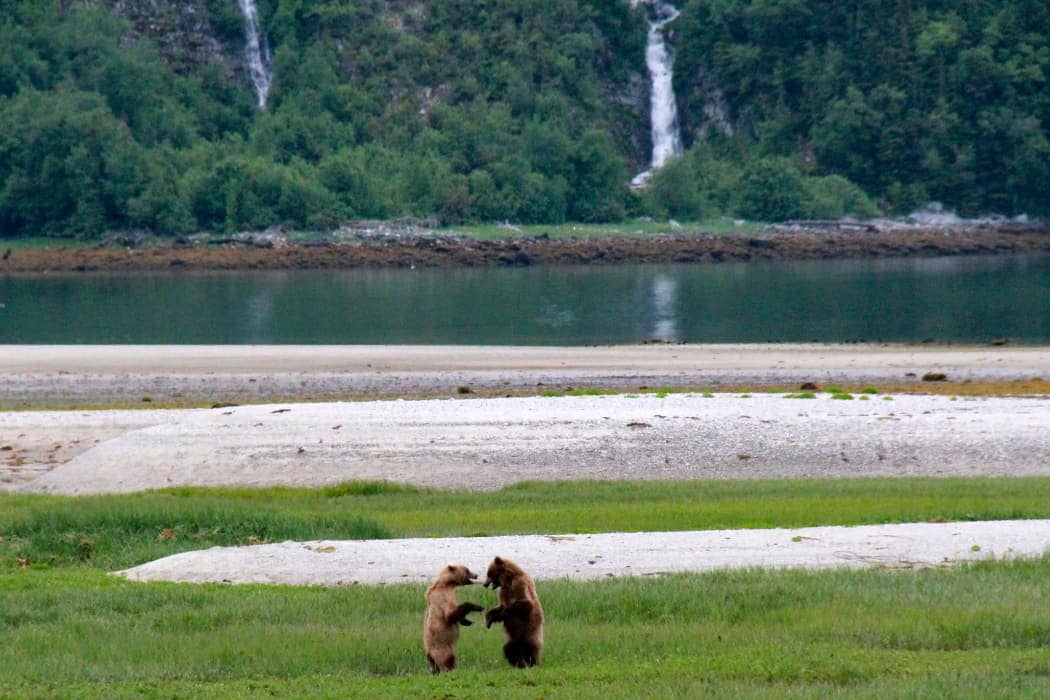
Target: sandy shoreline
484,443
208,359
195,375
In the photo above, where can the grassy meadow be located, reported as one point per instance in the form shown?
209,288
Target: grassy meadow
117,531
978,631
68,629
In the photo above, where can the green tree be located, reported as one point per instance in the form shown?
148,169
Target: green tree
67,165
770,189
598,180
674,191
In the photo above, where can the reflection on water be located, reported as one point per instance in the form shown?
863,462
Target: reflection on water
259,315
946,299
556,316
665,321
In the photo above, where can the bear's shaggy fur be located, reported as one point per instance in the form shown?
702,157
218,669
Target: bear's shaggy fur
519,610
444,616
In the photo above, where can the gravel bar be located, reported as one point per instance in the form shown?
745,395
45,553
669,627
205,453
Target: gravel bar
338,563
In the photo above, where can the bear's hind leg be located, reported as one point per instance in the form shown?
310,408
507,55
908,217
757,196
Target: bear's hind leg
443,662
530,654
515,652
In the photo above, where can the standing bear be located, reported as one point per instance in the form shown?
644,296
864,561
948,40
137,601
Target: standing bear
519,610
444,616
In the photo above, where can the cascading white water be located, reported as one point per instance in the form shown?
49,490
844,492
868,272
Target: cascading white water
258,53
667,140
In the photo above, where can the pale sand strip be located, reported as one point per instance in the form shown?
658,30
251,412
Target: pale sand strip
483,444
335,563
220,359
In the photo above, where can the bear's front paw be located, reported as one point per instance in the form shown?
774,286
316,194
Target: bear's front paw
466,622
494,615
474,607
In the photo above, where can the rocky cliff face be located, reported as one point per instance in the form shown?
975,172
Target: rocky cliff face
187,33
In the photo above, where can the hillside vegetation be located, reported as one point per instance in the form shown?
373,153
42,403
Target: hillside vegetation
128,114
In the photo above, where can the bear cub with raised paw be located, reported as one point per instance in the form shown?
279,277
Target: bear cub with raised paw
444,616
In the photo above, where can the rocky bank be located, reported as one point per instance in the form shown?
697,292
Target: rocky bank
412,248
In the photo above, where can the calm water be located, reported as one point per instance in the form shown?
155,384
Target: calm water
946,299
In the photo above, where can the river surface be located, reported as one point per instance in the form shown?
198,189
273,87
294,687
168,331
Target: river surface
959,299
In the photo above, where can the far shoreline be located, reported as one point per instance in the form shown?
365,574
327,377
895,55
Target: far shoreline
813,241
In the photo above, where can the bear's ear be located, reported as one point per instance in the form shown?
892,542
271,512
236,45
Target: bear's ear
450,568
497,560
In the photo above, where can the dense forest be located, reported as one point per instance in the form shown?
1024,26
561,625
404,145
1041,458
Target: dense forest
142,114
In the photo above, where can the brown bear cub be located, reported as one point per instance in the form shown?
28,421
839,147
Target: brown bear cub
445,615
519,610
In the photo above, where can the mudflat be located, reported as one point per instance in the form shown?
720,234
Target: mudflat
78,376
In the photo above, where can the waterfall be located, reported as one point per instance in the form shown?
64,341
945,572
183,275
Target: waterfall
258,53
667,141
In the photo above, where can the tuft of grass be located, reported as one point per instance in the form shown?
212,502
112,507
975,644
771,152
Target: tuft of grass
800,395
585,391
842,396
366,488
588,391
869,390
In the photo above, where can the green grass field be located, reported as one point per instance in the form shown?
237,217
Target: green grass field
979,631
68,629
112,532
